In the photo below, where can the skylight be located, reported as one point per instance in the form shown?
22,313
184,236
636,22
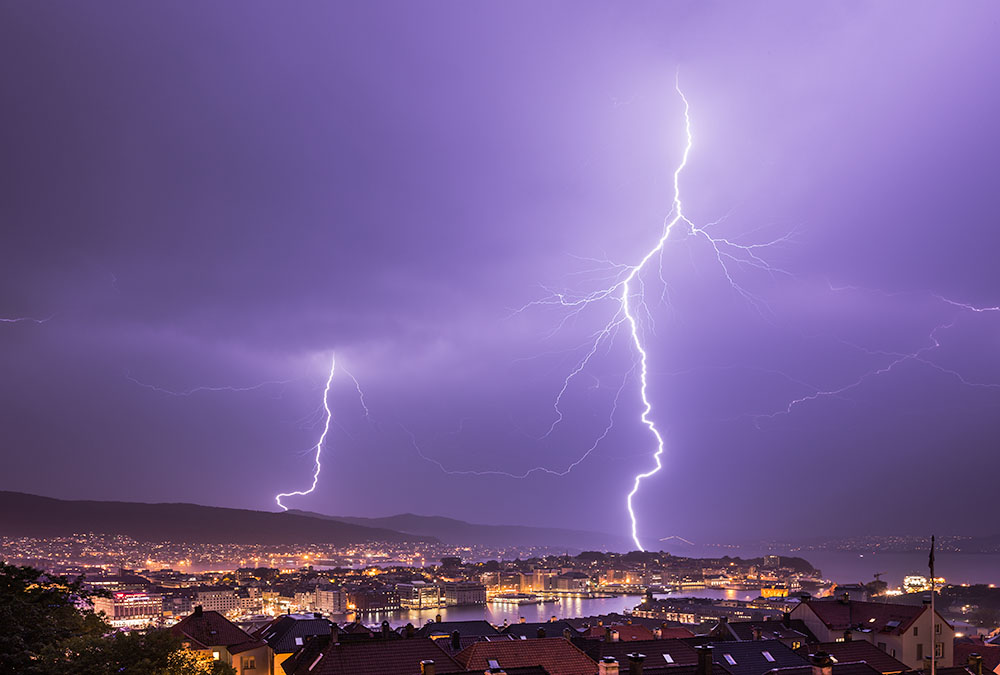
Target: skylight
668,658
767,655
729,659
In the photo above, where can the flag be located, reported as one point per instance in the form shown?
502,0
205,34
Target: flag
930,559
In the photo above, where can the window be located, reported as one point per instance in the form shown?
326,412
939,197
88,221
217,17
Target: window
767,655
668,658
939,650
298,641
729,659
937,628
249,663
215,655
796,644
920,652
916,631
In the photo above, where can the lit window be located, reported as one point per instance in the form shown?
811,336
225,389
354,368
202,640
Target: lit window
729,659
767,655
668,658
215,655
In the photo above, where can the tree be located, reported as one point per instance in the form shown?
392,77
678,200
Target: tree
38,611
48,627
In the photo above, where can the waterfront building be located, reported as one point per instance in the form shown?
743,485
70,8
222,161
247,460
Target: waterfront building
130,609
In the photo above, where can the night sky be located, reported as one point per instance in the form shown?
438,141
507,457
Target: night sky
223,195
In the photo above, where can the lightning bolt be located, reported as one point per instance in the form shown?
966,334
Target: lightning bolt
199,389
320,442
25,319
895,358
626,290
628,293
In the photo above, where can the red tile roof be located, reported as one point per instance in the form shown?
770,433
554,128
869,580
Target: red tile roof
879,617
990,654
370,657
556,655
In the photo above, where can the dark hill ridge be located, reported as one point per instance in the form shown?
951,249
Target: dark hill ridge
461,533
24,515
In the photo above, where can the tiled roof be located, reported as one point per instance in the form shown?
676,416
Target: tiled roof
856,651
879,617
838,669
245,646
374,657
651,667
626,632
530,630
281,633
990,654
771,630
210,629
556,655
656,651
755,657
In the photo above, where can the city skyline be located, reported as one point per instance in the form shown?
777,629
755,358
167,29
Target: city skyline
203,213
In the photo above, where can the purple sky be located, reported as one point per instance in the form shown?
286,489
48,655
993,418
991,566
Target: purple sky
228,194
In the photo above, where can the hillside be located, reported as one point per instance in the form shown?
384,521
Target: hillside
33,516
461,533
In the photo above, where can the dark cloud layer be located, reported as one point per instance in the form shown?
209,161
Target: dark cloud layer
228,194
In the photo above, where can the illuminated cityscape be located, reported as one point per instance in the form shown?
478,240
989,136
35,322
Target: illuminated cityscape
400,337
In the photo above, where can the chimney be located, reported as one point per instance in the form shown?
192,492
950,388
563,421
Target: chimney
610,635
437,618
723,619
552,618
821,663
635,663
385,630
786,619
427,667
608,665
848,635
541,632
704,660
456,641
567,634
806,597
758,634
198,611
521,619
410,630
976,663
334,631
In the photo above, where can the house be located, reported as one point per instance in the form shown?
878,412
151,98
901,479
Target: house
793,633
211,633
857,651
322,656
657,652
905,632
620,632
556,655
533,630
288,633
978,655
754,657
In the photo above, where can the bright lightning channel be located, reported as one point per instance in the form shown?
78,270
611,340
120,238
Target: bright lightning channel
322,438
627,292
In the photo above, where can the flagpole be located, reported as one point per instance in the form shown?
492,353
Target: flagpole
933,614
